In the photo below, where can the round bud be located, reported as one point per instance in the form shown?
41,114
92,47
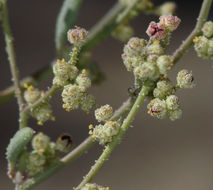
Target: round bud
201,45
155,48
104,113
77,36
167,8
105,133
83,81
146,71
123,32
164,63
185,79
175,114
40,142
169,22
155,31
131,62
71,96
164,88
208,29
157,108
87,102
135,47
32,94
172,102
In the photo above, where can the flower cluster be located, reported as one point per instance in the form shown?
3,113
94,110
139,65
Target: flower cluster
44,153
165,102
43,111
203,44
104,133
93,186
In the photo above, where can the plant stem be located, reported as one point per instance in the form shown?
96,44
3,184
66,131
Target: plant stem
11,54
203,15
110,147
78,151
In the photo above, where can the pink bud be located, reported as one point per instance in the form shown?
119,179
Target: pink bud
169,22
156,30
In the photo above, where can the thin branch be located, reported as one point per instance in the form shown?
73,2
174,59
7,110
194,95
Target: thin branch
11,54
78,151
203,15
111,146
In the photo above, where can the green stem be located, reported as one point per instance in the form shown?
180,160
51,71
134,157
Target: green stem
11,54
111,146
203,15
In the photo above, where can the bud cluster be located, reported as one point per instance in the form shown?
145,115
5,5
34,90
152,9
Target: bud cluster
44,153
204,44
104,133
43,111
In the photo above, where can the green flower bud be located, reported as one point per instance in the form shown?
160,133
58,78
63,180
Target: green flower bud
83,81
135,47
105,133
104,113
64,72
172,102
40,142
146,71
208,29
155,48
36,163
93,186
175,114
157,108
123,32
167,8
64,143
185,79
71,97
87,102
32,94
132,62
164,64
203,46
163,89
77,36
42,113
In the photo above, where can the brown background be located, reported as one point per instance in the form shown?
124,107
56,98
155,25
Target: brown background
155,154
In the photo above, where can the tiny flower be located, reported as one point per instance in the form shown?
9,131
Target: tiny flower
87,102
135,47
64,143
208,29
163,89
77,36
146,71
123,32
172,102
40,142
83,81
131,62
169,22
104,113
175,114
157,108
185,79
164,64
105,133
156,31
167,8
42,113
155,48
32,94
71,96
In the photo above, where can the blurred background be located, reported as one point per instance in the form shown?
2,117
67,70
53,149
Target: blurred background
155,154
